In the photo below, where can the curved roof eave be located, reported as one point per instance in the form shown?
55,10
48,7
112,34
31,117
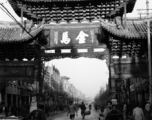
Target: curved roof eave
15,34
44,1
130,32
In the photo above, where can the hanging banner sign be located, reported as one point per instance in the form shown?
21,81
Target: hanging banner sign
17,71
73,35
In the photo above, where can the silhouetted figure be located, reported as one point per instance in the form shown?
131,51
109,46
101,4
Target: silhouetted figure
83,109
114,114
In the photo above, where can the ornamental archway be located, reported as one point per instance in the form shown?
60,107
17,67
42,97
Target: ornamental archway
74,41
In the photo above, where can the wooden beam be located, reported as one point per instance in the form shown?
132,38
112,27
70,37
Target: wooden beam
125,14
22,16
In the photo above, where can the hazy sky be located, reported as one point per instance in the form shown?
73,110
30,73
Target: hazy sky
87,75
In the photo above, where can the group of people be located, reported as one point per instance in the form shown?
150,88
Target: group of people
10,110
39,114
73,110
142,114
111,112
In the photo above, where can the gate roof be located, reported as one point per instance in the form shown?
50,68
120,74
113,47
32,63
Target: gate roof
16,43
15,34
130,40
70,9
134,29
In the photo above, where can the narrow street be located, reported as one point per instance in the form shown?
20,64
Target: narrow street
63,116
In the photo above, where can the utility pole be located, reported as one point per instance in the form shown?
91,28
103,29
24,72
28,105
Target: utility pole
149,50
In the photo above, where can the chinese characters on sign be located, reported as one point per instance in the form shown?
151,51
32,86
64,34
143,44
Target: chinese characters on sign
65,38
80,34
81,37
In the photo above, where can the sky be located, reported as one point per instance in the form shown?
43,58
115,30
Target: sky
87,75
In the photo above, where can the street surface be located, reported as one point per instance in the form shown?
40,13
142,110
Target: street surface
63,116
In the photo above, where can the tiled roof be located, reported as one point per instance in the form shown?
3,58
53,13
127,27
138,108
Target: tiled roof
129,41
134,29
15,34
44,1
68,10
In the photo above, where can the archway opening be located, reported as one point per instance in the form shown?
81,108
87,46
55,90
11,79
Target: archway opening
88,75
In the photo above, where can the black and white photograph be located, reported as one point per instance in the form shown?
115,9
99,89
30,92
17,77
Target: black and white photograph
75,60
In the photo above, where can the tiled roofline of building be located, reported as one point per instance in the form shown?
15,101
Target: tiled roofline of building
13,33
12,23
135,29
137,18
17,6
44,1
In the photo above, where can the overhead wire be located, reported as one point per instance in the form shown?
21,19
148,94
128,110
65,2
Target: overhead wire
12,17
6,12
15,20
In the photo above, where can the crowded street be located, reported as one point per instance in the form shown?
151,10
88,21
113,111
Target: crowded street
63,116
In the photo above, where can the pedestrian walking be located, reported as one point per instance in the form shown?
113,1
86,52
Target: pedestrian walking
72,110
23,111
114,114
147,111
90,106
138,113
96,107
107,108
83,109
124,111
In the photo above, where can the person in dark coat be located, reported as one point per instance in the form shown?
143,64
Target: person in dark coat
114,114
24,111
147,111
83,109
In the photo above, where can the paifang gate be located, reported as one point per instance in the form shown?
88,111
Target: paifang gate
70,27
74,40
